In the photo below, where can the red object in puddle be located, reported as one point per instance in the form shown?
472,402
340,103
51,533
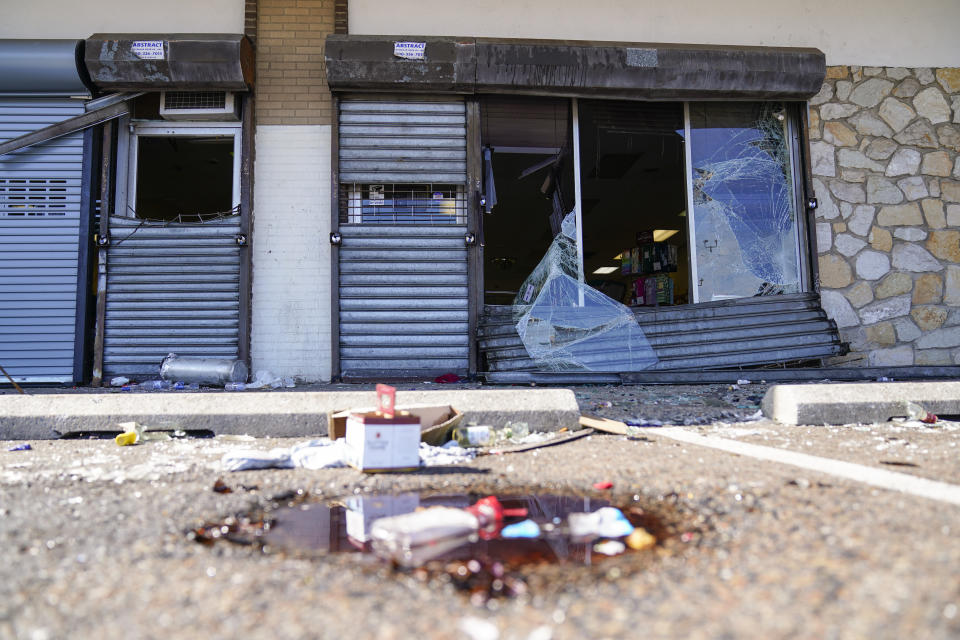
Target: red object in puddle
447,378
490,513
603,485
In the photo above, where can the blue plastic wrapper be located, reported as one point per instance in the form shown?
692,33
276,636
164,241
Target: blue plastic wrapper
643,422
20,447
525,529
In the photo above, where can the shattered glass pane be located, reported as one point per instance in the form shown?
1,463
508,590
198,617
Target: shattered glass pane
566,325
744,209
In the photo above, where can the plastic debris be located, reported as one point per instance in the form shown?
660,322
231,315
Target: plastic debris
641,539
20,447
643,422
603,485
447,378
524,529
473,436
246,459
564,323
119,381
412,539
914,411
135,433
323,453
607,522
610,547
447,454
741,382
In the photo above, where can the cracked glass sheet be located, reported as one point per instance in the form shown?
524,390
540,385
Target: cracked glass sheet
566,325
743,201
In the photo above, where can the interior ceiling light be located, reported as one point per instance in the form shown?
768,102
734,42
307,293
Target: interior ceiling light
605,270
659,235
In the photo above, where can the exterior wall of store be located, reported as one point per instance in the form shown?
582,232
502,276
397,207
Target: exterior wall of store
291,310
885,139
885,150
60,19
872,33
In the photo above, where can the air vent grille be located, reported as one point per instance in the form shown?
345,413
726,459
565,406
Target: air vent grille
194,99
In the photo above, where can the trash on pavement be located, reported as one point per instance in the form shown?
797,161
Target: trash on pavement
221,487
524,529
436,422
603,485
473,436
20,447
135,433
375,442
444,455
119,381
412,539
198,369
323,453
604,424
447,378
640,539
606,522
538,440
913,411
610,547
363,511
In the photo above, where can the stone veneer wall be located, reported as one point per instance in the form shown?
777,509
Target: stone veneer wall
885,154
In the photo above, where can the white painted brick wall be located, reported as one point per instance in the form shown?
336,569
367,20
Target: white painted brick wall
290,329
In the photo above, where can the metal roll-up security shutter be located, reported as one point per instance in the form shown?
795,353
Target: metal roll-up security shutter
40,191
172,287
403,140
403,265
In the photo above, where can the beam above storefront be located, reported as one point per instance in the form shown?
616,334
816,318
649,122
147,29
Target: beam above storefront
639,71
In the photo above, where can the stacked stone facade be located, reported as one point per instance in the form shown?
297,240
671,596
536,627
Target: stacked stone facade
885,156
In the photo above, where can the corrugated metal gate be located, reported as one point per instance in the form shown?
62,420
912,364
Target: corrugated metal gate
40,190
733,334
403,285
171,287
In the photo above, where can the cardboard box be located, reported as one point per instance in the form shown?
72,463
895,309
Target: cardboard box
377,443
436,422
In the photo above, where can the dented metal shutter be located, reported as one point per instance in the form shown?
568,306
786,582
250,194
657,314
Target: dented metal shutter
403,140
733,334
40,189
171,287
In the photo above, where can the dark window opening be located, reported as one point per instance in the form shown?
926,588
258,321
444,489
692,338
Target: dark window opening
634,201
181,177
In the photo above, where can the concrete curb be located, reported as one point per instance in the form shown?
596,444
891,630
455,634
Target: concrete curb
266,414
812,404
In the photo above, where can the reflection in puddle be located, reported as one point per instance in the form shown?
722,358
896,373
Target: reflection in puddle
481,560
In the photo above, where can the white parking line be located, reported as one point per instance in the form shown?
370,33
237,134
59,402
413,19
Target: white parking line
882,478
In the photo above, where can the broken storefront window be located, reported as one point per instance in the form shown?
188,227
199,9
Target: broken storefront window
745,223
567,325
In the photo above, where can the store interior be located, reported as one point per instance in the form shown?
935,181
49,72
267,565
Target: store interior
632,188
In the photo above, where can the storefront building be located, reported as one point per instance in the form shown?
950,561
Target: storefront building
360,190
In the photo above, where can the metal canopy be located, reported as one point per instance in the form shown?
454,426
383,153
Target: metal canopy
640,71
187,61
41,68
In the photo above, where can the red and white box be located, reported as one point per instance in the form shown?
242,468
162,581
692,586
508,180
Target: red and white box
377,443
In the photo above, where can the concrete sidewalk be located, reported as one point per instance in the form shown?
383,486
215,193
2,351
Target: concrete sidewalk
275,414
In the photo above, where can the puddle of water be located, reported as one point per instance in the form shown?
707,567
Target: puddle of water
485,564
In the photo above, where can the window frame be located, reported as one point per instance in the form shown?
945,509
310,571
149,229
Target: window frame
164,129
